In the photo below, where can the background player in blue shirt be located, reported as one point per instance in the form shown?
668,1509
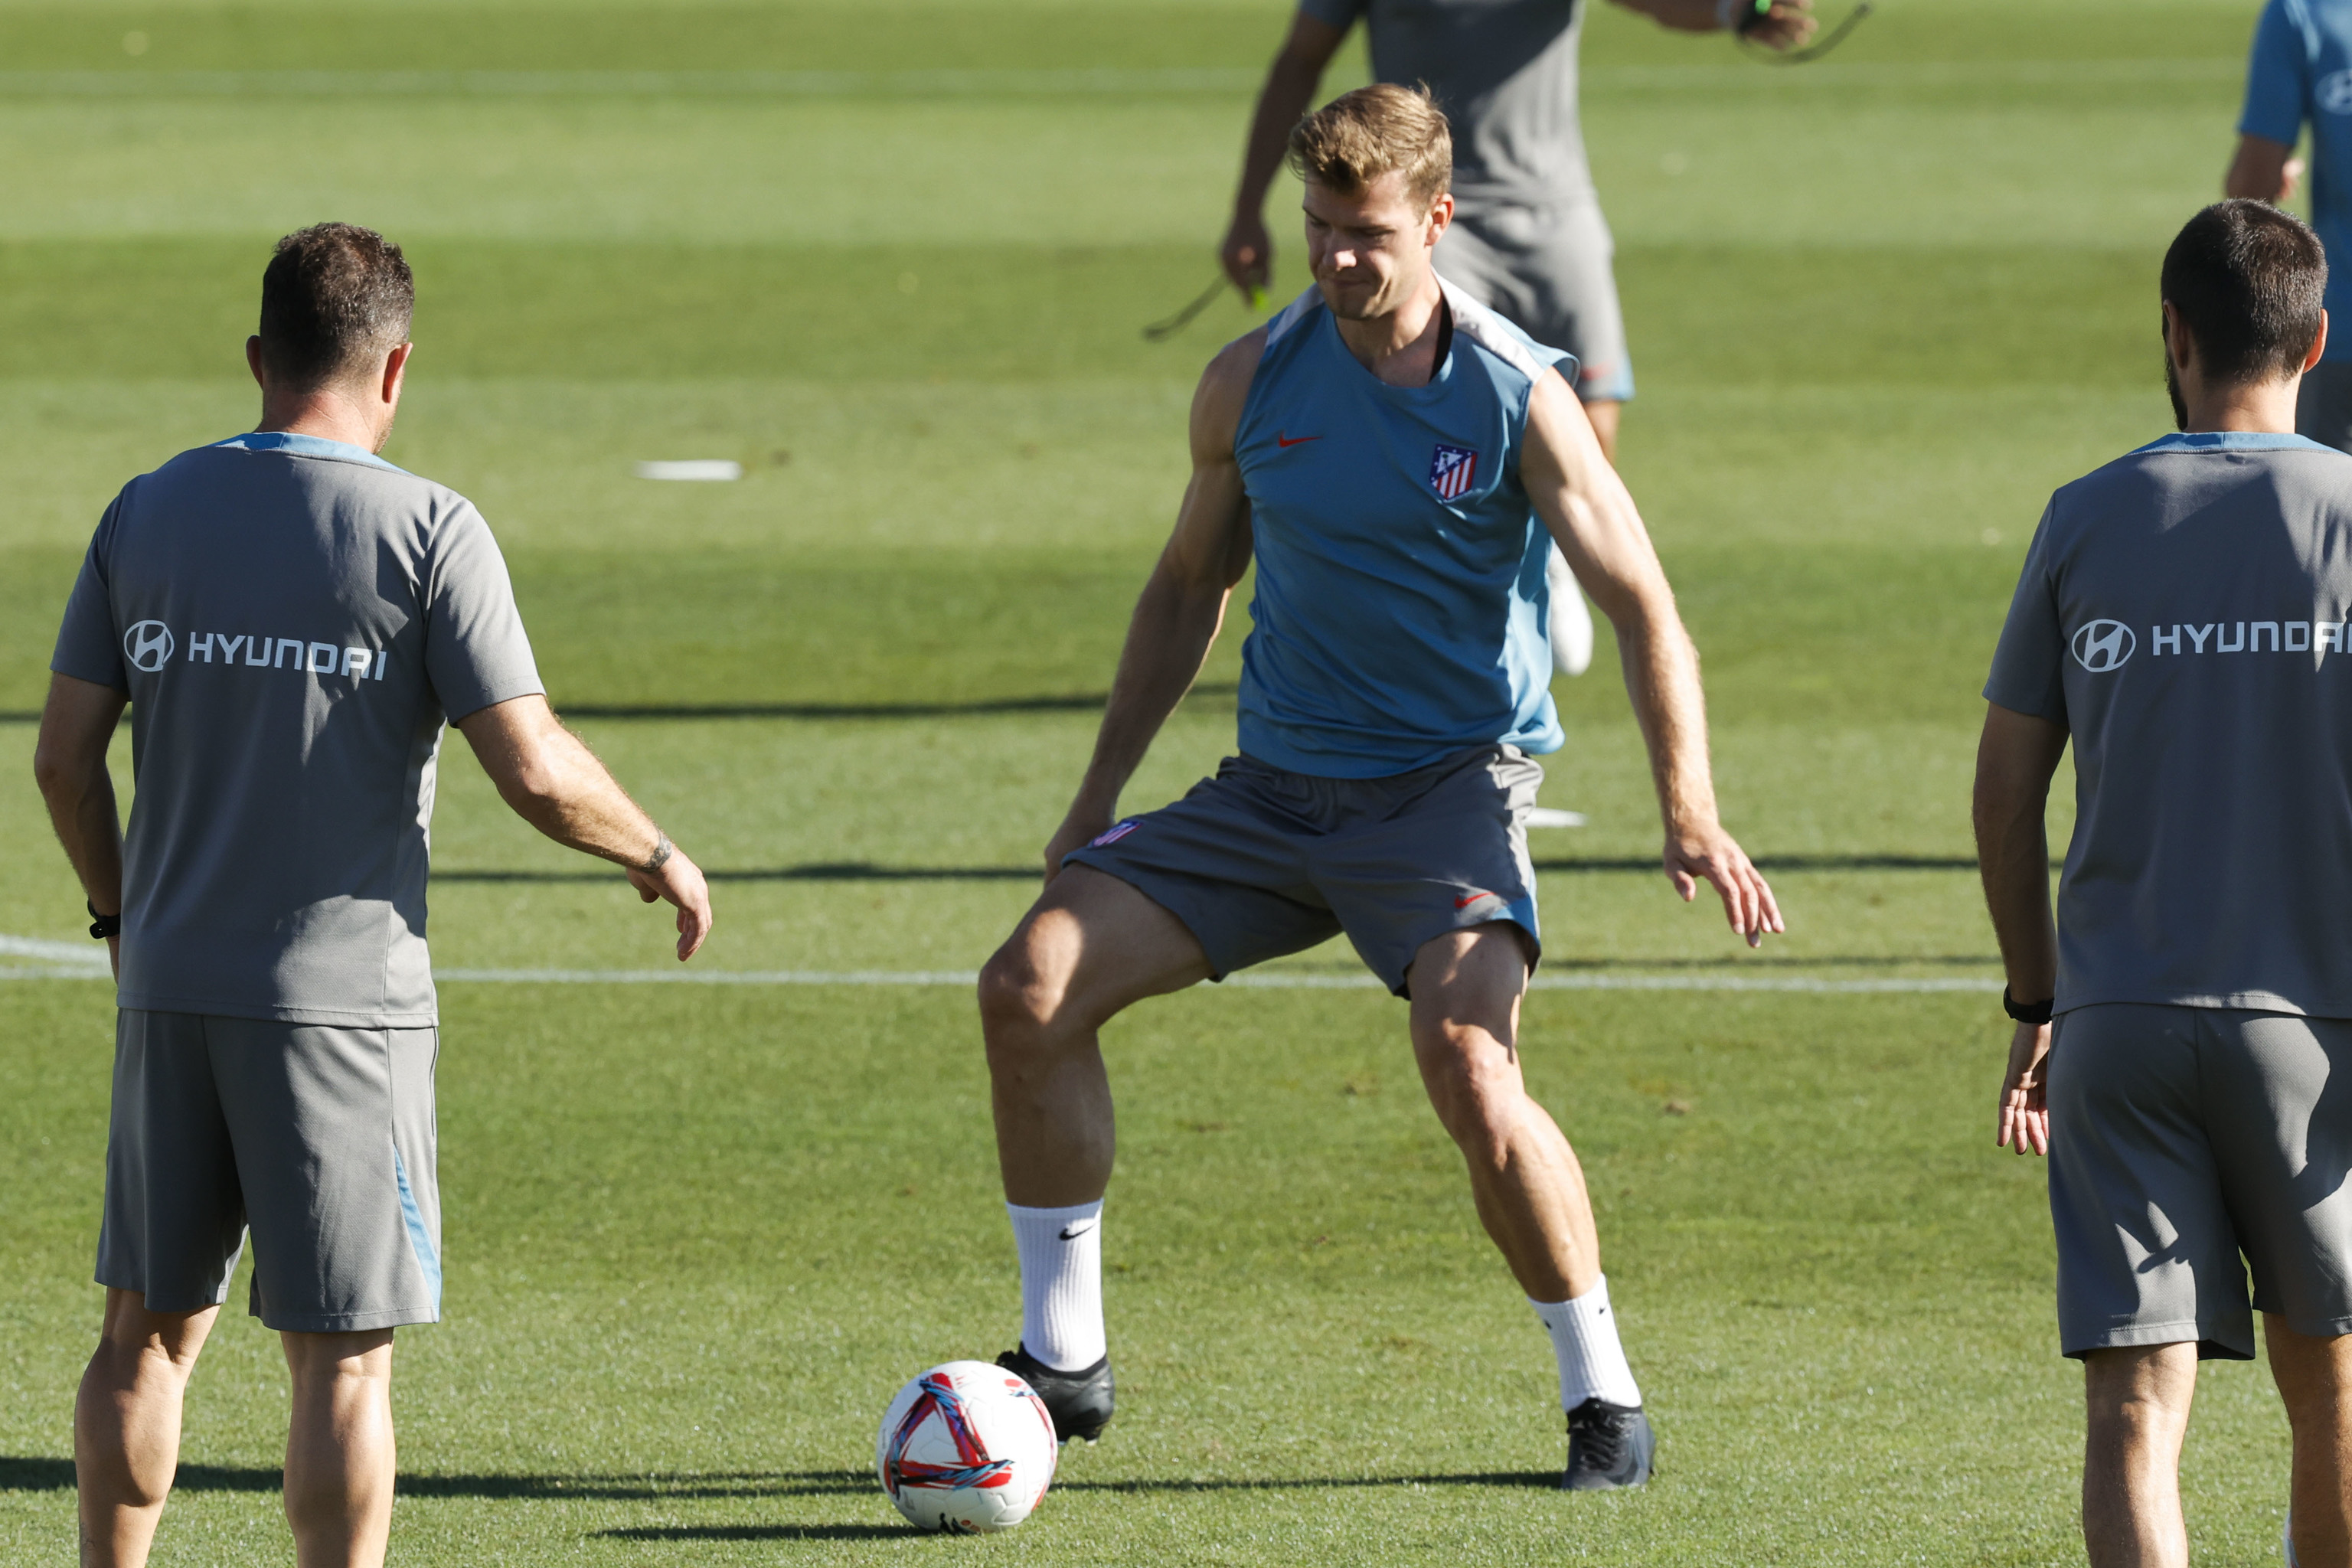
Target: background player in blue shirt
1399,460
2301,71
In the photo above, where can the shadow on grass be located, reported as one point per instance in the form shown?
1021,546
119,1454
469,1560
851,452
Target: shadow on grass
33,1475
758,1532
41,1475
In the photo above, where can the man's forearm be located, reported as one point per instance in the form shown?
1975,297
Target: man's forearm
1174,625
1682,15
2016,759
91,828
1289,87
569,795
1661,681
2013,859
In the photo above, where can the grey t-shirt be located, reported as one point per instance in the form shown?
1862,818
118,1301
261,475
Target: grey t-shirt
2182,612
1505,73
293,618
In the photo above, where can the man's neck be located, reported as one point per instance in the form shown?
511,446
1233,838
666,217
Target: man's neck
1401,347
322,415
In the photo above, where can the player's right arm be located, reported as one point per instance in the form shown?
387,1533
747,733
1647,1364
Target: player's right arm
2264,171
2016,759
554,783
1182,605
1290,83
69,764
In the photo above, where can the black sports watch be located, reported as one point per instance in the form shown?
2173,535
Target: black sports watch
102,926
2025,1012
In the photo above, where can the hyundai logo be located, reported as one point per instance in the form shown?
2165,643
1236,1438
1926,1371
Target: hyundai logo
2104,646
148,645
2334,92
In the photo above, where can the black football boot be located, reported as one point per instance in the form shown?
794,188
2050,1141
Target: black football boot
1609,1447
1079,1401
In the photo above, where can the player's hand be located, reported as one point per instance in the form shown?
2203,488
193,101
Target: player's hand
1247,257
1078,829
1787,25
2025,1092
1709,853
2289,176
680,881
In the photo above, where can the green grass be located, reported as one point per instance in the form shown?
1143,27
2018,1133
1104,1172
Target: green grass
1879,308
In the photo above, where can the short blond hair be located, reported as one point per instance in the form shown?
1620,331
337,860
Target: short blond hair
1379,129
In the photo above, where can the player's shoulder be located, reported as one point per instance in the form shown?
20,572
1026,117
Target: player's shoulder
1225,389
1501,344
2136,485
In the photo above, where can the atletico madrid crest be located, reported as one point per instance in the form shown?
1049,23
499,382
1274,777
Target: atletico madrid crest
1451,471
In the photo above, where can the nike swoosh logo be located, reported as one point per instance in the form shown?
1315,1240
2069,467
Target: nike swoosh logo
1072,1232
1288,441
1466,900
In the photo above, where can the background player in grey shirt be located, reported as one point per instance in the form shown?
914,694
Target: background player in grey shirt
2181,617
291,619
1528,239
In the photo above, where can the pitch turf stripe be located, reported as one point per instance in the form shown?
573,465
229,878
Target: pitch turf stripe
625,84
984,83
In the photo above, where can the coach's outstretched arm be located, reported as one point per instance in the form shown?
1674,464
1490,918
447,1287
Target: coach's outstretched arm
1592,515
555,783
1183,603
69,764
2016,759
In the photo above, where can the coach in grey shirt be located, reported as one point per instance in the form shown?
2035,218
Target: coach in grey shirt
2184,1032
291,620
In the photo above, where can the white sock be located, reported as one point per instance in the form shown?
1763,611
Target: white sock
1584,1337
1061,1284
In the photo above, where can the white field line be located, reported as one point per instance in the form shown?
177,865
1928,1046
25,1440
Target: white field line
71,963
1175,81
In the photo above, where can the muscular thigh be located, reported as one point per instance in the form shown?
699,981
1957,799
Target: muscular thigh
1095,944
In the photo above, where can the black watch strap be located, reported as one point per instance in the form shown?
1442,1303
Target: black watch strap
102,926
2025,1012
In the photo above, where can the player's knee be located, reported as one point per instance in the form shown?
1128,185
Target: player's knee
1475,1090
1019,1002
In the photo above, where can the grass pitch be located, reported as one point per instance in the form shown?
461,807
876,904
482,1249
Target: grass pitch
894,259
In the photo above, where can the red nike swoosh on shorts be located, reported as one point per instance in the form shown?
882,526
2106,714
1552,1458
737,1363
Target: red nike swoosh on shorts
1466,900
1282,440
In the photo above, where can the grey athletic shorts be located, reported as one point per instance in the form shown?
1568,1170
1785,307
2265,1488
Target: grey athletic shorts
321,1139
2323,408
1546,270
2180,1137
1258,862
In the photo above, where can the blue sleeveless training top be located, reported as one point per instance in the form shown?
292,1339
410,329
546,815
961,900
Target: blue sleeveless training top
1401,611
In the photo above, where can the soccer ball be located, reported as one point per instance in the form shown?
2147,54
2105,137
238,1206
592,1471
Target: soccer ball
965,1448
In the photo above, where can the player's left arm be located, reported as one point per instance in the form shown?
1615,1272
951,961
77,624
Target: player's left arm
1592,515
69,764
1783,25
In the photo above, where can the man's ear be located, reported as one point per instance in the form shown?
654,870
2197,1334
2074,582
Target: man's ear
2179,345
253,361
1440,215
396,366
2318,344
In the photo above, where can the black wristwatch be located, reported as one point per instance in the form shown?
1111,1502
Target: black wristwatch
102,926
2025,1012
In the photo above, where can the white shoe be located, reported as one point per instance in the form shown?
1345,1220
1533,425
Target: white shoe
1572,622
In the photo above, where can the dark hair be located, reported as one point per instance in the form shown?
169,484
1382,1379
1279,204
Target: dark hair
2246,279
334,298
